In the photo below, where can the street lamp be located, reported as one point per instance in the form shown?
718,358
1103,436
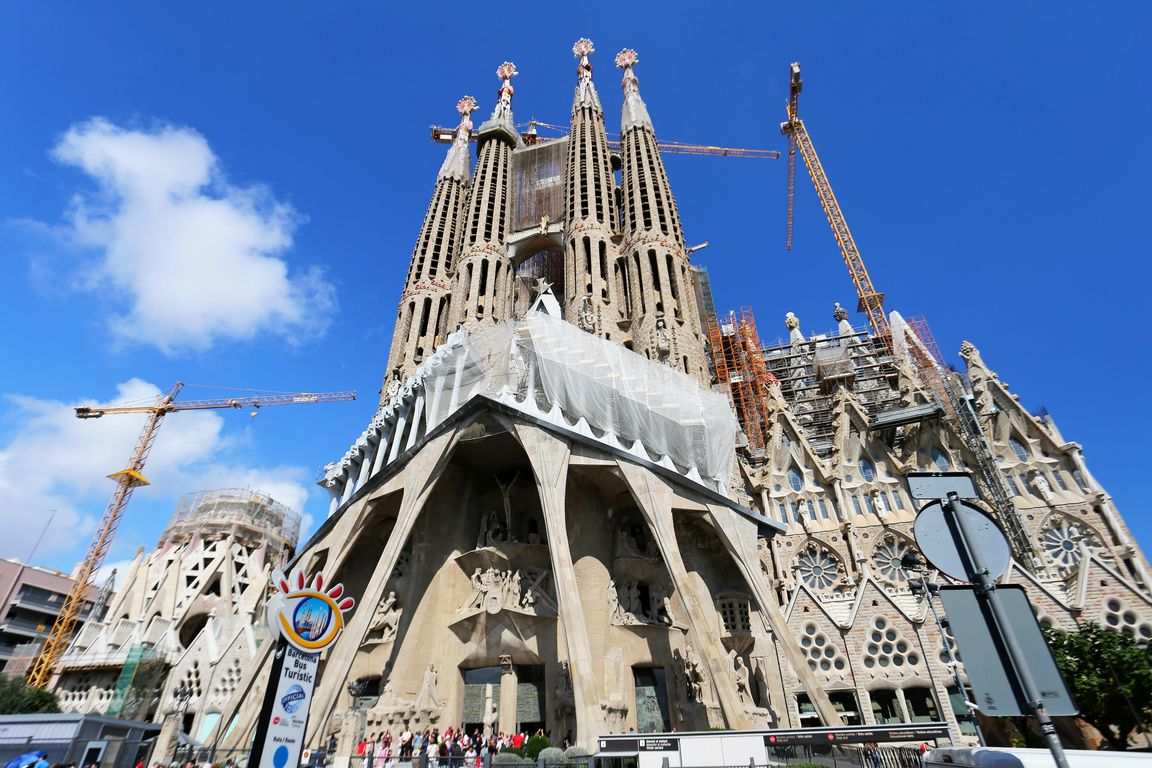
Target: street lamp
912,565
183,694
356,689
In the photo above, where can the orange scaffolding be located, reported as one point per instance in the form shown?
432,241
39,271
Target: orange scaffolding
739,363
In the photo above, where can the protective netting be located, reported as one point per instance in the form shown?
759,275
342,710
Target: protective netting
538,184
555,364
235,505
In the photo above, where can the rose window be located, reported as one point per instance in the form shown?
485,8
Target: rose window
818,568
889,559
1062,538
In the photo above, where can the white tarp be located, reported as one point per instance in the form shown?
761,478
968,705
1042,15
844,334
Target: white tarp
612,388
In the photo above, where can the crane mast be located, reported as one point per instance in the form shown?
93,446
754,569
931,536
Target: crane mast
871,302
127,480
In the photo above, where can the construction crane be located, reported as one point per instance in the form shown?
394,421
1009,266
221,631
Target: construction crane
443,135
127,480
871,302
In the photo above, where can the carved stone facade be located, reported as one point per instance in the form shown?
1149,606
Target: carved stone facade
524,560
189,613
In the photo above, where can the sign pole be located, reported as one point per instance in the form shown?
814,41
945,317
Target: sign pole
1000,624
305,617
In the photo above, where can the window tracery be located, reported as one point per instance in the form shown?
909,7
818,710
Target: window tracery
818,567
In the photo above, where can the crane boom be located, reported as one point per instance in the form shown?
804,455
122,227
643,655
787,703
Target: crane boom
443,135
871,302
127,480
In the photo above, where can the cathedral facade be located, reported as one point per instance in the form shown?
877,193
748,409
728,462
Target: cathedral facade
556,518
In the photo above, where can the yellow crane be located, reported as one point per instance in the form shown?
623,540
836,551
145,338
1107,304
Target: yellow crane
127,480
871,302
443,135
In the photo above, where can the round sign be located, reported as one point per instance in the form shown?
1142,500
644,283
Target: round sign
941,545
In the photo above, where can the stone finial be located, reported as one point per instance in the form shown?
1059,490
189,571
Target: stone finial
456,161
506,72
839,314
625,60
580,50
465,107
791,322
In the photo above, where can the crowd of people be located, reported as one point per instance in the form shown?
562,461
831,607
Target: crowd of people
452,747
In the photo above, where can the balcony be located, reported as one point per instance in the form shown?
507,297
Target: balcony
26,628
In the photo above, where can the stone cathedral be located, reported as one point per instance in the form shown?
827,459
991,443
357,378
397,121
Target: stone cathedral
558,519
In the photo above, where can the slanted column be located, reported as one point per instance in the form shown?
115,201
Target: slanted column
365,466
550,456
655,502
508,695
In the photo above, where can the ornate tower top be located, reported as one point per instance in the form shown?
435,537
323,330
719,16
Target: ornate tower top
457,160
635,113
839,314
505,72
585,92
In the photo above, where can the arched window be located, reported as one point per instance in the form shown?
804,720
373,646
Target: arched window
867,470
940,459
795,479
1018,449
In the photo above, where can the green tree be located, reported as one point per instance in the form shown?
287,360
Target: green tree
19,698
1110,677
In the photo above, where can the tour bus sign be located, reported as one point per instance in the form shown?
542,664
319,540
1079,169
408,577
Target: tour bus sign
308,616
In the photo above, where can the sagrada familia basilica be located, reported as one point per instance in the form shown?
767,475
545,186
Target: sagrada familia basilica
562,517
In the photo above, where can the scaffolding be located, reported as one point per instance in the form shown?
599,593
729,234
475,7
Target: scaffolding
739,365
810,371
138,688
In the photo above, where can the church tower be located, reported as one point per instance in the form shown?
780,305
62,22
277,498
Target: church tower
422,317
483,275
595,291
665,318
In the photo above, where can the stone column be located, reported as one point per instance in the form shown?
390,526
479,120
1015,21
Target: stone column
549,456
653,498
419,478
508,690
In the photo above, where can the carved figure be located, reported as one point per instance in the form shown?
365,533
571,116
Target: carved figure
615,610
740,675
475,597
663,339
426,700
385,621
693,674
1042,487
565,698
586,316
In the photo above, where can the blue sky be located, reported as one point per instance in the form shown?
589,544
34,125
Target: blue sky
227,194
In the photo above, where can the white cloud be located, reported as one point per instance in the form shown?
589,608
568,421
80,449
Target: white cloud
52,461
189,258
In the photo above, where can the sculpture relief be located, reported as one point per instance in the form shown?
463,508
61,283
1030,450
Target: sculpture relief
626,606
494,591
385,621
586,316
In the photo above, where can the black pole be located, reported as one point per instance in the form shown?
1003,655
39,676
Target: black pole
269,700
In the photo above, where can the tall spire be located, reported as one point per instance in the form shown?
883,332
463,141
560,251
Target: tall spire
595,287
665,320
483,274
634,112
422,317
457,161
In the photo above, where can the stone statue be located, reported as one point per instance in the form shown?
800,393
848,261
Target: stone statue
491,712
385,621
544,224
586,316
661,612
615,610
475,597
426,701
491,531
1042,487
565,699
740,674
680,678
663,339
694,676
